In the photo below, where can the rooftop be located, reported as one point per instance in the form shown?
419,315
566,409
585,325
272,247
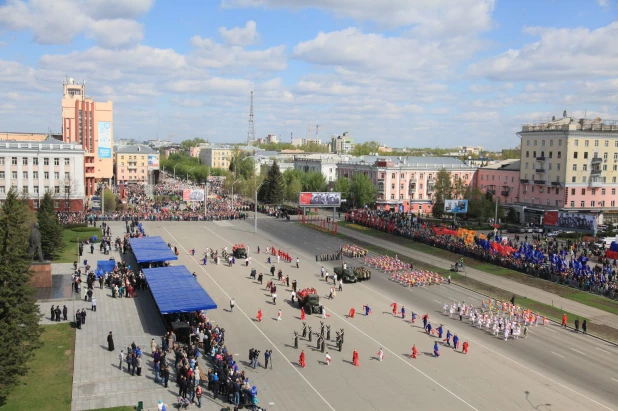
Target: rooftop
48,144
566,123
134,149
410,162
511,164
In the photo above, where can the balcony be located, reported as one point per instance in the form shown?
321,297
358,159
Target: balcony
597,160
540,182
413,180
525,181
504,193
540,170
431,181
412,189
595,182
596,171
540,158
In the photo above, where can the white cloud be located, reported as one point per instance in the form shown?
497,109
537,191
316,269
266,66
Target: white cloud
559,54
240,36
603,3
440,111
436,17
59,21
215,85
490,88
388,57
189,103
209,54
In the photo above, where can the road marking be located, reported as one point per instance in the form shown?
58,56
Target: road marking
517,363
251,320
558,354
438,301
549,329
615,379
271,403
578,351
395,355
606,352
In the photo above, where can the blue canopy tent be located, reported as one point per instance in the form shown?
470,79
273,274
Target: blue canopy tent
176,291
151,250
105,266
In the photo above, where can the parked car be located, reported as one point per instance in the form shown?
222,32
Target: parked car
553,234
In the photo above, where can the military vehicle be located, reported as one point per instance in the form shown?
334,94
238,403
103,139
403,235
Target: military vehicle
345,274
239,250
310,300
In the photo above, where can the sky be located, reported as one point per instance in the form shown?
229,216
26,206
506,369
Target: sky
405,73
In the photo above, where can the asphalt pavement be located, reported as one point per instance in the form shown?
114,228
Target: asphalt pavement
552,369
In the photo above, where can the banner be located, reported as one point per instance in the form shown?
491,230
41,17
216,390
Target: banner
105,139
455,206
153,162
192,195
320,199
575,221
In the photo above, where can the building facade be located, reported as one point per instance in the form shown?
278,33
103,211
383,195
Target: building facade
35,167
216,157
406,181
327,165
89,124
133,164
342,144
501,179
569,164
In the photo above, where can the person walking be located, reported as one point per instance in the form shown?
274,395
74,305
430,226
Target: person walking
355,358
564,321
328,359
266,358
577,325
585,327
232,304
301,359
94,304
121,359
110,342
279,315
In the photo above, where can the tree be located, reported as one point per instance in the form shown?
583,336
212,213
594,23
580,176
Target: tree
342,185
273,189
365,149
443,190
511,153
51,231
314,181
293,183
192,142
363,190
19,313
110,200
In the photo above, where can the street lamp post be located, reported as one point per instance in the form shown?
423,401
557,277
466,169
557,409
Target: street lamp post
175,170
255,208
189,172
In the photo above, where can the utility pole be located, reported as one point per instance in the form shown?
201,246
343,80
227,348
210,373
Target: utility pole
251,132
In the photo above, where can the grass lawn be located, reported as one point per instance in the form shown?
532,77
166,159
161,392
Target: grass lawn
70,236
582,297
49,382
125,408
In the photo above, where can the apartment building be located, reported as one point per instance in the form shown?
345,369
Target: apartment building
216,157
325,164
89,124
133,164
501,179
406,181
35,167
570,164
341,144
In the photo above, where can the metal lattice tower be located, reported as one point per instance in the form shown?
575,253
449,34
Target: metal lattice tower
251,133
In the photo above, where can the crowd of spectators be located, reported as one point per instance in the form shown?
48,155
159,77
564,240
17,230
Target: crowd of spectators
563,262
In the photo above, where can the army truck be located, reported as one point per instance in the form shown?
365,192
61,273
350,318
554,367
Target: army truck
239,250
345,274
310,300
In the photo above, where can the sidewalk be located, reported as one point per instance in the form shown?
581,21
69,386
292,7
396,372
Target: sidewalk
593,314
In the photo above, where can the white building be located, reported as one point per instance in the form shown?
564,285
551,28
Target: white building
323,163
34,167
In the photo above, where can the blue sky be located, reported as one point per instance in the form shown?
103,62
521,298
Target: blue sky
405,73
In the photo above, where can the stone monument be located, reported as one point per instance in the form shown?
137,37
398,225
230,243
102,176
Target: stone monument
41,269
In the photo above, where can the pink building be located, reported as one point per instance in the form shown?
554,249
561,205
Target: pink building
501,179
406,181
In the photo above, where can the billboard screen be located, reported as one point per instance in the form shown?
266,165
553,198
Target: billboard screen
105,139
455,206
192,195
153,162
320,199
574,221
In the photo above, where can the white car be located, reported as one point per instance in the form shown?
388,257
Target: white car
553,234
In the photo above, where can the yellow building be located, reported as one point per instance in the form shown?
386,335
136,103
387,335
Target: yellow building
216,157
90,124
134,163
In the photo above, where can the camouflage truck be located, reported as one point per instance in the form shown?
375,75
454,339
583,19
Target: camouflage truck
310,300
240,251
346,275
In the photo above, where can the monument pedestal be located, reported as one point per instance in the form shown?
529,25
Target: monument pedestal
41,275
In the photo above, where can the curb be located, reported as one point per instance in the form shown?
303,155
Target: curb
553,321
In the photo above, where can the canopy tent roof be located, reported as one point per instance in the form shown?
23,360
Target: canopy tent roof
176,291
151,250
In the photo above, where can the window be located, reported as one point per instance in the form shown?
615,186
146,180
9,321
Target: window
67,189
1,161
585,154
586,143
602,191
584,179
535,143
574,167
56,189
614,180
613,191
551,154
605,156
393,176
601,203
583,191
576,143
24,175
24,161
592,203
402,176
528,142
392,196
559,153
575,154
613,203
549,166
573,179
615,168
582,204
56,204
35,189
616,143
526,166
56,175
35,161
1,174
615,156
35,175
400,186
14,175
392,186
594,192
46,175
572,203
543,143
559,142
420,196
14,161
604,167
527,154
56,161
66,161
596,143
606,143
401,196
534,154
585,167
558,166
572,191
551,143
46,161
24,189
2,190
